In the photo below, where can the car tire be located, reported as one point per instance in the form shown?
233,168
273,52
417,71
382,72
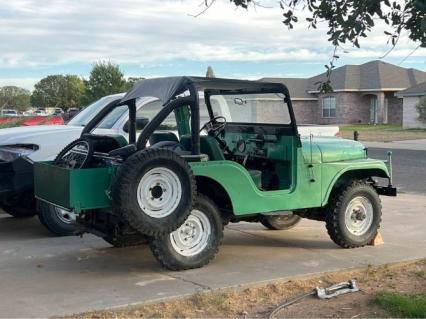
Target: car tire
154,190
203,231
19,212
280,222
56,220
21,205
353,215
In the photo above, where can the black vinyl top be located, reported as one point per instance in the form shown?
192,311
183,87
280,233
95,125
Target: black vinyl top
168,87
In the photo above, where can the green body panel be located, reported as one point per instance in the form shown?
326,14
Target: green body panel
305,180
77,189
331,149
331,172
247,199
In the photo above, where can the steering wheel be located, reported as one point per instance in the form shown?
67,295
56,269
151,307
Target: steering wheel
215,126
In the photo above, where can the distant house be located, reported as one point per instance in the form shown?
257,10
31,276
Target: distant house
411,98
361,94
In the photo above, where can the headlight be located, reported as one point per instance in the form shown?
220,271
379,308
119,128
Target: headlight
9,153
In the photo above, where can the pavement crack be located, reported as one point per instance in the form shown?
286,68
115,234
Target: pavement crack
204,287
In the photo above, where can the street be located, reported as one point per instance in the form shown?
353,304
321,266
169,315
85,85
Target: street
43,276
409,168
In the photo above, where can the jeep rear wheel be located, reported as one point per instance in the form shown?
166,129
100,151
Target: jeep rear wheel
354,215
154,191
280,222
58,221
195,243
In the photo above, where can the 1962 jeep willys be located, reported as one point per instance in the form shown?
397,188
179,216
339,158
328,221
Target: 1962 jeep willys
177,189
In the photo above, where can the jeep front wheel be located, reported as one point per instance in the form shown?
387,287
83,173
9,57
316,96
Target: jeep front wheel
354,215
195,243
280,222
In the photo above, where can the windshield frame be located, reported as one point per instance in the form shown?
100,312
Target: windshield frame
90,111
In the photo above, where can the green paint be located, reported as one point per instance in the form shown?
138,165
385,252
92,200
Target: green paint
307,175
78,189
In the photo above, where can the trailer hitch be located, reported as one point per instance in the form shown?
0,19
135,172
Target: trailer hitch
337,289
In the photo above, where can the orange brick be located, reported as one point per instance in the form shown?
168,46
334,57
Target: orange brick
377,240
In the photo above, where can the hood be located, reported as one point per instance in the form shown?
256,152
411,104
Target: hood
49,138
332,149
30,134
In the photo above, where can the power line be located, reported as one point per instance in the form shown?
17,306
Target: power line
411,53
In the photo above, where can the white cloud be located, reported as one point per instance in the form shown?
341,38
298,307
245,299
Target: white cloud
27,83
36,34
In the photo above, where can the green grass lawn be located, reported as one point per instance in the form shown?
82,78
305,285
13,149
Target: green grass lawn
400,305
381,133
10,124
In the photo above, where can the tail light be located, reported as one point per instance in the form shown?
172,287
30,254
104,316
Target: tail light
338,134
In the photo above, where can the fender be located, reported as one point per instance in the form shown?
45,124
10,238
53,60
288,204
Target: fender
332,173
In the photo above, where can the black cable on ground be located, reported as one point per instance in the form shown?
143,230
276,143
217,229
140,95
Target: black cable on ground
290,302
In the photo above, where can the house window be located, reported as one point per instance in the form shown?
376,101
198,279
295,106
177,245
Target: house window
329,106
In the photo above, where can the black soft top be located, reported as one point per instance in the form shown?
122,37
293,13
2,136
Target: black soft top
167,88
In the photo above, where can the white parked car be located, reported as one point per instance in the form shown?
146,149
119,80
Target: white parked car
21,146
9,113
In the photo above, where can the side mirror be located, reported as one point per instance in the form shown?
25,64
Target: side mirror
141,122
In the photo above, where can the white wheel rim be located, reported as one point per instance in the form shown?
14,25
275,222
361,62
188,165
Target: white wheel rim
159,192
359,215
193,236
65,216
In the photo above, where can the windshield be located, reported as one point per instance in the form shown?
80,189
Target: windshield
84,117
251,108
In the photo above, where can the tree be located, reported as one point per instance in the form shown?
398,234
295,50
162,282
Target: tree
105,79
421,108
14,97
58,91
131,81
73,91
210,72
350,20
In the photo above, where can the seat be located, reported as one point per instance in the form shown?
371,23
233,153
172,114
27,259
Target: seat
161,137
256,176
208,145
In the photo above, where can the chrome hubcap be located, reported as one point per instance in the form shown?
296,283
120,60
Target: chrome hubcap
359,215
193,236
65,216
159,192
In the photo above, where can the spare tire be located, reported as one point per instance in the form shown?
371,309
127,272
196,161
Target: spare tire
154,190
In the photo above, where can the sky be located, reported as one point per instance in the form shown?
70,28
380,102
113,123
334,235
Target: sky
150,38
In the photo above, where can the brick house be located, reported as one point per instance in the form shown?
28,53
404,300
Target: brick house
410,99
361,94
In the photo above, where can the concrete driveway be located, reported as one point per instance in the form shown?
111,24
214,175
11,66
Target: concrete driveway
43,276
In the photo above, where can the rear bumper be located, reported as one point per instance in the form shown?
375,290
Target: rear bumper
16,177
386,190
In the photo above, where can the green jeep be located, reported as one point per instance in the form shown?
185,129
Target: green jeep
177,185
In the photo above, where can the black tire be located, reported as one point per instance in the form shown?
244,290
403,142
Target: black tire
19,212
338,229
148,214
280,222
85,159
127,240
166,252
49,217
21,205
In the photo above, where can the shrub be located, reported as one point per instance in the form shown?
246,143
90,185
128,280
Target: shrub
421,108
